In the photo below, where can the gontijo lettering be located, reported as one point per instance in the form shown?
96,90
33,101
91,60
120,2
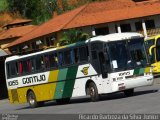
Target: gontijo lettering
33,79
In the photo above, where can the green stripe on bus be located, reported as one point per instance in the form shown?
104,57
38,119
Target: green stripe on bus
136,71
141,71
60,84
69,84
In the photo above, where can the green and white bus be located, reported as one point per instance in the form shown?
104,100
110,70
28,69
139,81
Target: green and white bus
100,65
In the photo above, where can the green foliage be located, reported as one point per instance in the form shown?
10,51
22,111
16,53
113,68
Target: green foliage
72,36
39,10
3,5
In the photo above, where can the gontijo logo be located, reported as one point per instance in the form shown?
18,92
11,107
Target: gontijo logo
85,70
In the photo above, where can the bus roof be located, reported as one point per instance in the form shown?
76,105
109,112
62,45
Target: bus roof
117,37
105,38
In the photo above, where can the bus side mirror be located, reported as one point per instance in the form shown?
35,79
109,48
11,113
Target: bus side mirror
150,49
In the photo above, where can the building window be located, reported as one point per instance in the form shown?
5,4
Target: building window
125,27
138,26
34,46
150,24
50,41
102,31
116,28
14,50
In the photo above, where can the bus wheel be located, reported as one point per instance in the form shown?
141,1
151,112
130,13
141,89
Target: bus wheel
63,101
129,92
32,99
93,92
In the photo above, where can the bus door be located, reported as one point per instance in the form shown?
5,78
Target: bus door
104,66
98,58
158,50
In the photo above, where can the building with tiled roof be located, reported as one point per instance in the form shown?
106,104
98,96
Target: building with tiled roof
17,22
47,30
11,32
98,18
14,30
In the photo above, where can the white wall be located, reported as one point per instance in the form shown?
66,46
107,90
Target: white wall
112,28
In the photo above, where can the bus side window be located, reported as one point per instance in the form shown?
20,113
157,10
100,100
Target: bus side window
72,57
17,71
20,68
53,60
39,63
42,62
25,67
13,70
32,65
76,55
84,54
46,61
68,57
60,59
29,66
8,71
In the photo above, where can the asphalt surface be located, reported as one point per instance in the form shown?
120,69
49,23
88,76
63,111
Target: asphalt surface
145,100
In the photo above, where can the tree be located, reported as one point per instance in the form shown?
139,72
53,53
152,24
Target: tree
32,9
3,5
42,10
72,36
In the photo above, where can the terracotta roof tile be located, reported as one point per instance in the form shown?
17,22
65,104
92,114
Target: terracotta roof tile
51,26
16,32
18,21
94,13
108,5
112,15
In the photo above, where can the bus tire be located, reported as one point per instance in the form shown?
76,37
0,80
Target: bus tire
62,101
31,98
93,92
129,92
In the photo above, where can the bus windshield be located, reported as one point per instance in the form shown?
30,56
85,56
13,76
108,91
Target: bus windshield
127,54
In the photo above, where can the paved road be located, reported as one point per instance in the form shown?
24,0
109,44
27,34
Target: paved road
145,100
